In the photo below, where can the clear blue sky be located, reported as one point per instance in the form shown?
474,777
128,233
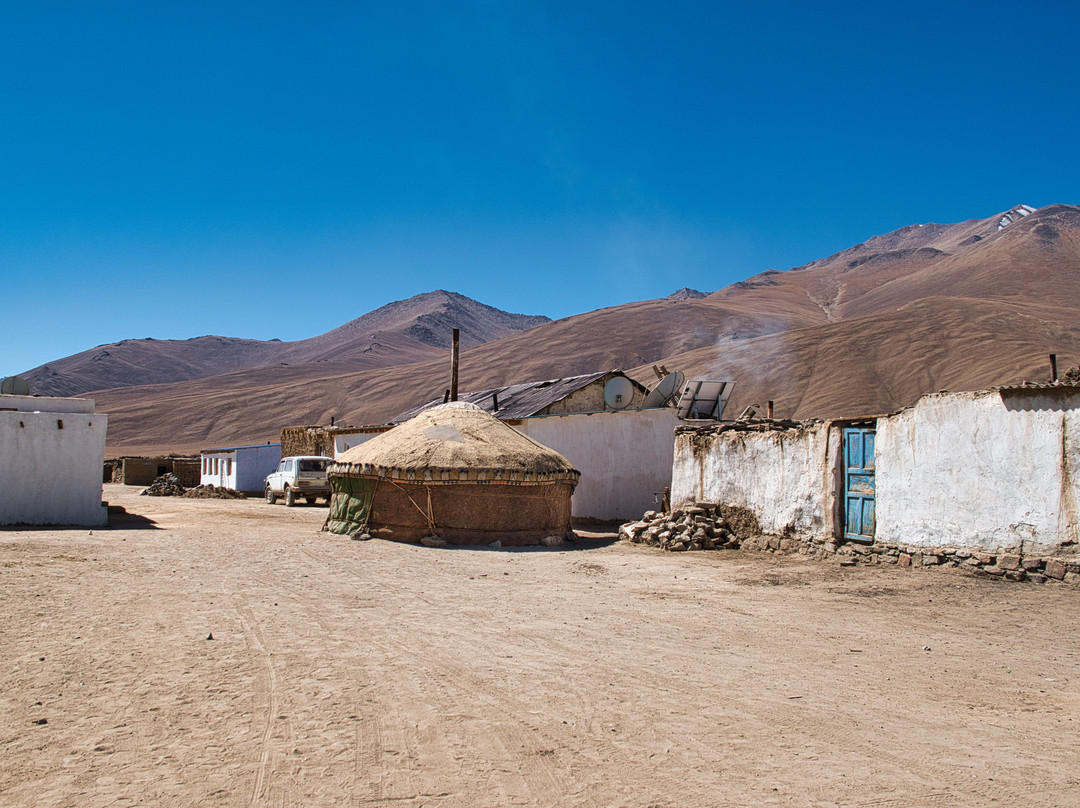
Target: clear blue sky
273,170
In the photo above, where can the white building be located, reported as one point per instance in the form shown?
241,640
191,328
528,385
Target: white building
994,471
624,456
242,468
52,451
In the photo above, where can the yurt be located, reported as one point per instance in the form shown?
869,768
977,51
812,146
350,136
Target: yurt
454,472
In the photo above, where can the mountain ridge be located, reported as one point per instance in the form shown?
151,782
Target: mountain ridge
868,329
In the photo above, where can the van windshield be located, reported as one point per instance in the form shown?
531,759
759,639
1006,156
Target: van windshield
313,464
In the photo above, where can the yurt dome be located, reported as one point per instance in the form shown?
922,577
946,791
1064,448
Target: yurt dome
454,472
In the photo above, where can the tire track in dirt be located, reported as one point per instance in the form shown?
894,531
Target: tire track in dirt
267,693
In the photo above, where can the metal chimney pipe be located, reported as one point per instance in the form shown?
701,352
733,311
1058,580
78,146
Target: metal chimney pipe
454,346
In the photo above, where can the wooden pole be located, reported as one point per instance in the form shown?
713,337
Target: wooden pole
455,340
1053,367
770,409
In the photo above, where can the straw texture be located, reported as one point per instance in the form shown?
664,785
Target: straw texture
451,443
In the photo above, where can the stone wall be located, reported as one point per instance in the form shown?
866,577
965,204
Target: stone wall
994,471
713,526
306,440
783,471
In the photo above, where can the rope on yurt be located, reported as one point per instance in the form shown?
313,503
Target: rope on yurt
429,514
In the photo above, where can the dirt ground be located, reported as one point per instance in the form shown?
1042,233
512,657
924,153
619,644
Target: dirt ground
345,673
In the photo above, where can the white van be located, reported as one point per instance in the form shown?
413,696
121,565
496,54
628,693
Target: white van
303,476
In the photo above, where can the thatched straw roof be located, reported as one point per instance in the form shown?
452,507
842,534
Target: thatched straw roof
455,442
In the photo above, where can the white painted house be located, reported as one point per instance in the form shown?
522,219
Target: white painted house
995,471
624,456
243,468
52,451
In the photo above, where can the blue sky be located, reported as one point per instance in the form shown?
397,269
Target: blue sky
273,170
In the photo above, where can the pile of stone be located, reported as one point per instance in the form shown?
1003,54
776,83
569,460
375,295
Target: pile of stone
704,526
213,492
167,485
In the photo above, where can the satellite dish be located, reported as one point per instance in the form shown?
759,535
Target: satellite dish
618,392
664,391
14,386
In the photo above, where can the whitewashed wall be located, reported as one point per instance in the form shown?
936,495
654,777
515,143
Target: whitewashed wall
782,475
989,470
249,467
624,457
343,441
51,475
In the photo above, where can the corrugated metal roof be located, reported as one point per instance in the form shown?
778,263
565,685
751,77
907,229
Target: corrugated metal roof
519,400
1058,385
235,448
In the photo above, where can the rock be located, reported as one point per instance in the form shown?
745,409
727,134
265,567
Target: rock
1055,569
1015,575
551,541
360,537
167,485
433,541
1009,562
930,559
1037,578
212,492
1032,564
848,562
904,560
495,545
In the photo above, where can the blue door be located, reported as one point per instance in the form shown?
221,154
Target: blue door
859,483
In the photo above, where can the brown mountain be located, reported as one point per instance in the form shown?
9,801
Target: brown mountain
867,330
397,333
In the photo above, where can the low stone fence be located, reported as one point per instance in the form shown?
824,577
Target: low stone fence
712,526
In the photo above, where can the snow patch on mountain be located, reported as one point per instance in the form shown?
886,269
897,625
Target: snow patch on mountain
1015,215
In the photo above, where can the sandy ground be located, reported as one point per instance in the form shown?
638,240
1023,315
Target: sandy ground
600,674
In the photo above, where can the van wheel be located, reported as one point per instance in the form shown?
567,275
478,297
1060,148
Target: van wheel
290,497
270,498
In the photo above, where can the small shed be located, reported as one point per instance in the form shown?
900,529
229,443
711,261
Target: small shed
242,468
454,472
